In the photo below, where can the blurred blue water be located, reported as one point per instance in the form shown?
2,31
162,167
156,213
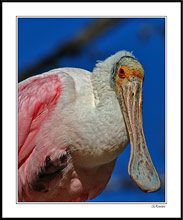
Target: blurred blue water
146,38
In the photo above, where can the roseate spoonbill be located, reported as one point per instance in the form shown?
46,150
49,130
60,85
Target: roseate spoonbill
72,126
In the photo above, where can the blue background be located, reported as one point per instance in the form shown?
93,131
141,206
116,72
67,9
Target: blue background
39,37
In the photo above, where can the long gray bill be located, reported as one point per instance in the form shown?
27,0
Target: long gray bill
140,167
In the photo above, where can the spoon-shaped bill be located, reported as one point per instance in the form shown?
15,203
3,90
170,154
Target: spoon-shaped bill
140,168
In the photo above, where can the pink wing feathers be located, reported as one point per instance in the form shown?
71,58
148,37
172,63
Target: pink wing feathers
36,99
56,179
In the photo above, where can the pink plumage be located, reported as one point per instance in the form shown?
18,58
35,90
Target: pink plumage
47,172
36,100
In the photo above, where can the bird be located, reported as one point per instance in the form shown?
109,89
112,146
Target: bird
72,126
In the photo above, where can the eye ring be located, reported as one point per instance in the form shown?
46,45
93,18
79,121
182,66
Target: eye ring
121,73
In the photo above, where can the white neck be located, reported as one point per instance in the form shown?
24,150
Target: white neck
103,134
112,136
101,84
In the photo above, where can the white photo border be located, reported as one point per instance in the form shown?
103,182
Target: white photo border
171,11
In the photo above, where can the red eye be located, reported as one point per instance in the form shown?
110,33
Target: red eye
121,72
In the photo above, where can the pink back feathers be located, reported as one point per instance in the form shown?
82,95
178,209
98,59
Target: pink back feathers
36,99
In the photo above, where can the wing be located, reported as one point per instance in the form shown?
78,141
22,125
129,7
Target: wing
40,100
37,98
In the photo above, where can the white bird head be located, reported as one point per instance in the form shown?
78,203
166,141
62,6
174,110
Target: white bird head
126,79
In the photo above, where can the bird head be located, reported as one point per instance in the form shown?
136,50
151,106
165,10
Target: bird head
127,76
